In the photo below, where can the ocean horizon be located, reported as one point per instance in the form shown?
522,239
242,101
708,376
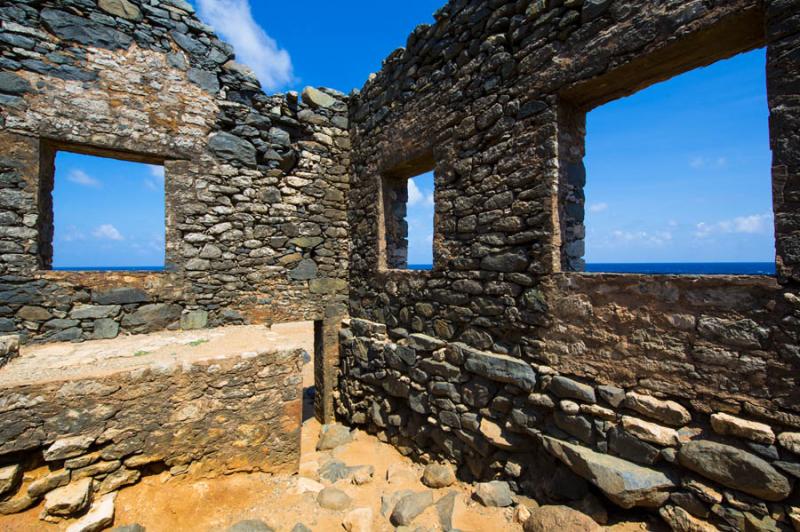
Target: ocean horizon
669,268
663,268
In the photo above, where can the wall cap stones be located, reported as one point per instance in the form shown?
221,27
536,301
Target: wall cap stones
729,425
668,412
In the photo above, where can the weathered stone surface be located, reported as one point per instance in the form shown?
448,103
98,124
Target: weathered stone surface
32,313
194,319
570,389
611,395
650,432
500,437
153,317
630,448
9,478
11,83
68,447
74,28
680,520
18,503
305,270
500,368
399,473
332,436
728,425
250,525
410,506
438,476
231,147
119,478
790,441
389,501
99,517
333,499
494,494
358,520
136,527
734,468
69,499
668,412
120,296
49,482
316,98
305,485
552,518
121,8
105,328
625,483
93,312
445,508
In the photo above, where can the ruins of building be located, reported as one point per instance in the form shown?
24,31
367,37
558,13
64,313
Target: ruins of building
673,393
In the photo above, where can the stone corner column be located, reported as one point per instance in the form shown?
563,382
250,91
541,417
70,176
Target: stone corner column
326,361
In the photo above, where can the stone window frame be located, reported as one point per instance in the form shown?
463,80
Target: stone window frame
392,225
48,150
735,35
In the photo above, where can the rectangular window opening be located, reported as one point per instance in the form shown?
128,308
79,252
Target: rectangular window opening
99,213
408,212
677,177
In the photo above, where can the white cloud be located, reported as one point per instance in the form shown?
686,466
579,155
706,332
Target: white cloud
708,162
645,238
82,178
749,225
72,234
416,196
233,20
598,207
156,181
107,232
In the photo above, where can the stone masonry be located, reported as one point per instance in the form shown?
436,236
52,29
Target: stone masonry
677,394
205,418
256,227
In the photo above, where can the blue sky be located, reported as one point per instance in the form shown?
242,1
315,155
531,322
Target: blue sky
107,213
678,172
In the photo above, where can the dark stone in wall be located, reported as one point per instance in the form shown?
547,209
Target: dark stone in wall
84,31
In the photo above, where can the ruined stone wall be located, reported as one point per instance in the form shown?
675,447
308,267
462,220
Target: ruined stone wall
504,358
256,227
204,418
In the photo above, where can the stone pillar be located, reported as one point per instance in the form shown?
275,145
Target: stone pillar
783,86
326,361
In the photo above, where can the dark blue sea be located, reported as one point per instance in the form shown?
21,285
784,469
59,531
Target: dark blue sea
110,269
675,268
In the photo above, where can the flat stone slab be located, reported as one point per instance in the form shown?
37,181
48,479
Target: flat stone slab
99,517
625,483
735,468
69,499
65,361
500,368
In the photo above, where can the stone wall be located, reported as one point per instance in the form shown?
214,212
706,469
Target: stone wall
205,418
506,359
255,185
